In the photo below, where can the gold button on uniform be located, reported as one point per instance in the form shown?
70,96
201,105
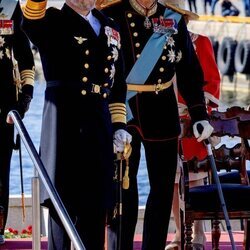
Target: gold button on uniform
86,65
138,55
129,15
83,92
104,95
161,69
163,58
106,70
135,34
132,24
137,45
96,89
159,81
87,52
105,84
109,57
85,79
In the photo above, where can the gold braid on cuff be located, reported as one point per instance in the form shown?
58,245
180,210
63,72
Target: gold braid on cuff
118,112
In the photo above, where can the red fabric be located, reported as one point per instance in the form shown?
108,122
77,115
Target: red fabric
205,53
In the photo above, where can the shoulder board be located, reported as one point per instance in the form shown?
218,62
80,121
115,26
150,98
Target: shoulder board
102,4
189,14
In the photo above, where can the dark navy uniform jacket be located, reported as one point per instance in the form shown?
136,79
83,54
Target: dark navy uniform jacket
17,45
156,115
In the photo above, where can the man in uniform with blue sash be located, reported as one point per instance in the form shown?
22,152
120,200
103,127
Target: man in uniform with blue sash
16,88
156,46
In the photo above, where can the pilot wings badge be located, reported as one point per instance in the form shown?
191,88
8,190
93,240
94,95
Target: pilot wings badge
80,39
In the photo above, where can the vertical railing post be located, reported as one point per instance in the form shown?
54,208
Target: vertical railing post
36,213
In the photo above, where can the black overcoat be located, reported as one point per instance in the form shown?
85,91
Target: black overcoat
76,138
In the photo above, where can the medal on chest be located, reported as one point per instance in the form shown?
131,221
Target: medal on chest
147,23
6,27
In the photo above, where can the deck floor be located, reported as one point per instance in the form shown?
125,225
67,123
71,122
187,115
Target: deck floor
224,242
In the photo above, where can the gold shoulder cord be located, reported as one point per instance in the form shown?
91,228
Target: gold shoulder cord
101,4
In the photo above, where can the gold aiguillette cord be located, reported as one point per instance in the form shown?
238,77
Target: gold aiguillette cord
126,154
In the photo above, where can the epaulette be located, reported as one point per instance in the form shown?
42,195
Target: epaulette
102,4
191,15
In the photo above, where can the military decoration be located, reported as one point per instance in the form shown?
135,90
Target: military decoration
179,56
80,39
6,27
2,42
147,24
113,37
166,26
115,54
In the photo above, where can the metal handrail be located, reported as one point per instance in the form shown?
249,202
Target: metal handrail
43,175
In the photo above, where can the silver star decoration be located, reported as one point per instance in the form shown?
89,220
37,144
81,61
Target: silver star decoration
179,56
115,53
171,41
2,42
1,54
7,53
112,72
171,56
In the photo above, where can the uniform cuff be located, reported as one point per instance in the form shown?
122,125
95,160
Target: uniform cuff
118,112
35,10
198,113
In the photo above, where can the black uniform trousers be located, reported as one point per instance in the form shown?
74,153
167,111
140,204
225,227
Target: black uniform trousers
161,158
6,147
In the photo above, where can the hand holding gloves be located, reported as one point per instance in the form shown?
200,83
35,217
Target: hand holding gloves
205,133
121,138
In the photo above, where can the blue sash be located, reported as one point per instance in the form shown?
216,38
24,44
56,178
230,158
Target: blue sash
8,7
148,58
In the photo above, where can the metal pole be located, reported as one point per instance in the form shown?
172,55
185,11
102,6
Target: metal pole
55,198
36,217
218,185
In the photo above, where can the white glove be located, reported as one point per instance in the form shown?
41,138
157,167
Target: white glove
207,130
121,138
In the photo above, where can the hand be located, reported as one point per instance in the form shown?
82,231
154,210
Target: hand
24,99
121,138
207,130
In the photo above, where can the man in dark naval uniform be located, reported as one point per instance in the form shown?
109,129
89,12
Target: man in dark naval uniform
156,45
15,90
84,107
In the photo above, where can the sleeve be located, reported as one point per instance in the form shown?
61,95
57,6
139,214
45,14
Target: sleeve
189,74
117,104
23,54
210,69
34,21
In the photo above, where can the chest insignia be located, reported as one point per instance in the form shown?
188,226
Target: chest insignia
2,42
179,56
171,41
164,25
6,27
171,56
7,53
113,37
80,39
115,53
